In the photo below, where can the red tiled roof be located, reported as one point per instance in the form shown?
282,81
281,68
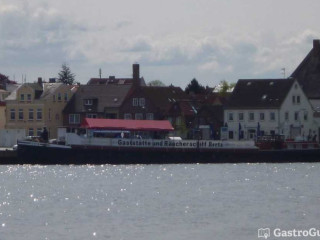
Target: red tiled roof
130,125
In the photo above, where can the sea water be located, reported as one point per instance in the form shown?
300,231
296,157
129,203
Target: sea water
200,201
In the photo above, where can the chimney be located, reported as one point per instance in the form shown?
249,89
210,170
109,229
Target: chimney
136,74
316,46
40,81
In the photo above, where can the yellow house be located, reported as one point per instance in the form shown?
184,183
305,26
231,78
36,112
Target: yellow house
3,95
34,106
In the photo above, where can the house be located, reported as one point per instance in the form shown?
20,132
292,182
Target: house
3,95
158,103
33,106
308,72
268,106
120,81
94,101
100,98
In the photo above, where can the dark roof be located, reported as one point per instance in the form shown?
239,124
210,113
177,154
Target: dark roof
259,93
113,80
308,72
164,97
110,96
184,107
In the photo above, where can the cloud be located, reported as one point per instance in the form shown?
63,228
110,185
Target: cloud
136,44
34,34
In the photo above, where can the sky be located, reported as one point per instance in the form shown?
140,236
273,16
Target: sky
173,40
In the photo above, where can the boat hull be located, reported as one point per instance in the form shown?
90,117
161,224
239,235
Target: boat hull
48,154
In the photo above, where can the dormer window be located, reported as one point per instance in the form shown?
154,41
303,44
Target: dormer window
59,97
142,102
135,102
22,97
29,97
88,102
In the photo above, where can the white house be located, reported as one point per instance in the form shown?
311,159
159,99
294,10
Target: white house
269,106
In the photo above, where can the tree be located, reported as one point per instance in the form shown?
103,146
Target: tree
194,87
65,75
4,78
156,83
225,87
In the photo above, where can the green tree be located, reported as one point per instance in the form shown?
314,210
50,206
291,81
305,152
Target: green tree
66,76
225,87
156,83
194,87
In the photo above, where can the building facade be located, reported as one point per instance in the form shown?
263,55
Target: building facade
34,106
268,107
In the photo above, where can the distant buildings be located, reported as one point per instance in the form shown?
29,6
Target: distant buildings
256,107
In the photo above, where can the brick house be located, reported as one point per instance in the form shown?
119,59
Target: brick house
100,98
158,103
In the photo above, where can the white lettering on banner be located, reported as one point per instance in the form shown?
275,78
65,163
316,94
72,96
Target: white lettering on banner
191,144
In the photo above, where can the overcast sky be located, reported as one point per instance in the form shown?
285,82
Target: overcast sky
172,40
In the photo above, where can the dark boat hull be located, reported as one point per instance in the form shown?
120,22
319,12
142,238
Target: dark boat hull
28,154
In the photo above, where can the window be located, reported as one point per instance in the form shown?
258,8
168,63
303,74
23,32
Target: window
91,115
230,134
262,116
49,114
293,99
12,114
142,102
230,116
305,116
135,102
139,116
296,116
30,114
29,97
20,114
88,102
39,131
22,97
59,97
286,116
241,117
39,114
30,132
74,118
251,116
298,99
272,116
127,116
66,97
150,116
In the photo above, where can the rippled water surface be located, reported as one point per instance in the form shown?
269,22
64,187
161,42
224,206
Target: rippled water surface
218,201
